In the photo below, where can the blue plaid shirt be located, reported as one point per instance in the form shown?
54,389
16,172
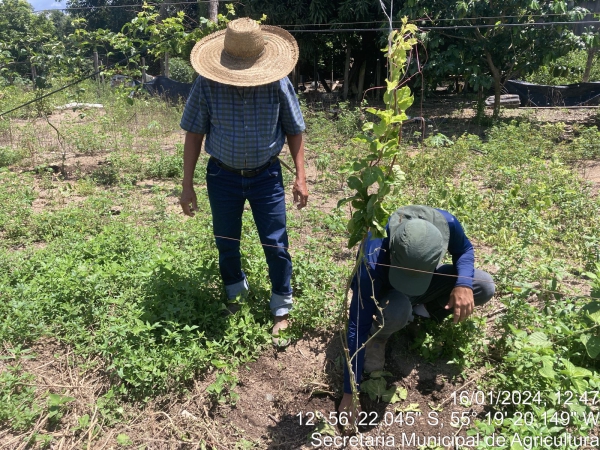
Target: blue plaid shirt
244,126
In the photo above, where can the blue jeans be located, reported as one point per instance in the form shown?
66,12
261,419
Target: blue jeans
397,307
227,193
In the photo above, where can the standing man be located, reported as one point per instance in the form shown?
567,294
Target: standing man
402,273
245,105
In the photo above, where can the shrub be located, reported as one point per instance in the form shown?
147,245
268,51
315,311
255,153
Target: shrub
180,70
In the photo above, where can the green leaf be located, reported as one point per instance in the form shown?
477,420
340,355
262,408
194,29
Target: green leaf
592,344
593,311
391,395
354,183
579,384
547,372
404,98
380,128
539,339
572,371
374,388
379,374
370,176
394,395
57,399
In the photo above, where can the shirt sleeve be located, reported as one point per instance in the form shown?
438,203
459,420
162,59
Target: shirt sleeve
369,281
290,114
461,249
196,118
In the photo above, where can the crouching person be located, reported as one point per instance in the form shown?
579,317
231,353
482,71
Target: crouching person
402,272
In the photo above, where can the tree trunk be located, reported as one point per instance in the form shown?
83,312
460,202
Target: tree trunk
167,71
497,83
213,10
588,66
33,76
361,80
346,73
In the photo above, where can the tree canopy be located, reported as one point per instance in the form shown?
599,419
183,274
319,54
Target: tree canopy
490,49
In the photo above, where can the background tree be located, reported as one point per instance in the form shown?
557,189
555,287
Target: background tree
25,37
488,56
324,52
108,14
591,40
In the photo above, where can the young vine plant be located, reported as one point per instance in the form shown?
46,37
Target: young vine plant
373,176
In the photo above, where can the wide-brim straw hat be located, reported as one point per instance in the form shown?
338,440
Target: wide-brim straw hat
245,54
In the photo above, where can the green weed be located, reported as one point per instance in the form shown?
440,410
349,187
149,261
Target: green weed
18,407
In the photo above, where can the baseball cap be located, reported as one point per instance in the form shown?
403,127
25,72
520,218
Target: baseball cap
418,240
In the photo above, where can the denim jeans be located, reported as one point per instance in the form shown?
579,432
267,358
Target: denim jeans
397,307
227,193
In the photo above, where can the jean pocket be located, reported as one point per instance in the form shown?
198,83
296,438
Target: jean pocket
212,169
274,169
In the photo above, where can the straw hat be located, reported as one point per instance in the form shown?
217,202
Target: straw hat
245,54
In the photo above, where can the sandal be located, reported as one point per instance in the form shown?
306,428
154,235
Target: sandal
280,326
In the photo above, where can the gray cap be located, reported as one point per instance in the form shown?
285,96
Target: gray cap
418,240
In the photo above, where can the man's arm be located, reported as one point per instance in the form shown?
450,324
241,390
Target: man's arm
300,191
191,151
463,257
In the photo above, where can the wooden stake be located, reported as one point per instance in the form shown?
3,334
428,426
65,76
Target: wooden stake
346,73
143,70
361,80
33,76
96,67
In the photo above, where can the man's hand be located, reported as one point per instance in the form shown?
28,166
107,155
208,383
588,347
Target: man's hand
348,412
188,195
300,192
191,151
461,300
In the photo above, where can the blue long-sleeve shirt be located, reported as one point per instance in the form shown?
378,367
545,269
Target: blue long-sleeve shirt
372,278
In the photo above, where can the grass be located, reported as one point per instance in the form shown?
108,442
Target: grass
102,262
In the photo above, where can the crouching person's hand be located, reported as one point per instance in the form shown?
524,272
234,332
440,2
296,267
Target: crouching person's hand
349,414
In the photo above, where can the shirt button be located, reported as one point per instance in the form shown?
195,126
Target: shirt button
246,128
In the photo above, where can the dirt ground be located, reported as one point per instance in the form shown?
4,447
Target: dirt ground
279,396
283,390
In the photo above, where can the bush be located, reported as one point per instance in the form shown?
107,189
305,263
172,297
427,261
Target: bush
180,70
9,156
567,69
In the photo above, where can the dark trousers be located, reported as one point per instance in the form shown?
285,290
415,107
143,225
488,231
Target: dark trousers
397,307
227,193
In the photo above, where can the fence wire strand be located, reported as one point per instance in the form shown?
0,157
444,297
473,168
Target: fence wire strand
549,291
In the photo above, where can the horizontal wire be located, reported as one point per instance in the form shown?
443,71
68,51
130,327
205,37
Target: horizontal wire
425,20
454,27
437,274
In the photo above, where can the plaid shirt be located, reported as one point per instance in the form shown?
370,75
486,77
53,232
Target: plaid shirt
244,126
